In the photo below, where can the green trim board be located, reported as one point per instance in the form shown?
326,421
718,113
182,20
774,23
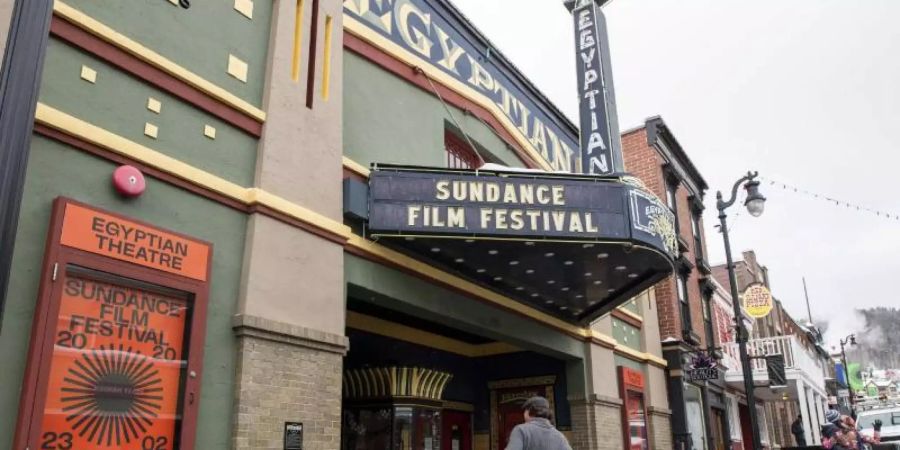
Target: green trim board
162,204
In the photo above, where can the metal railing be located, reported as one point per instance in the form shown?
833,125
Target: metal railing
796,357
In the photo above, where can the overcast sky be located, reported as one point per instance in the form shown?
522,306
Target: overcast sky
804,91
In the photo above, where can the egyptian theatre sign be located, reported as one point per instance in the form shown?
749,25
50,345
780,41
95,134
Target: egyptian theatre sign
575,242
116,355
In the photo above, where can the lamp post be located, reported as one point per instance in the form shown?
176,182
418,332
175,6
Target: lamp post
851,339
755,204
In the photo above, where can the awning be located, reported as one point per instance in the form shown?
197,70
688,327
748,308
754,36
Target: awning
574,246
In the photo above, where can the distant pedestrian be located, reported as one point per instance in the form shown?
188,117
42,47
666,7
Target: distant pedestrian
798,432
537,433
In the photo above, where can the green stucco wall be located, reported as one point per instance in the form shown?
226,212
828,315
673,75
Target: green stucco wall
626,334
117,102
199,38
55,169
389,120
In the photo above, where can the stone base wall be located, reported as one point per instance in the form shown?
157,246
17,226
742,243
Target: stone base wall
287,374
597,424
660,429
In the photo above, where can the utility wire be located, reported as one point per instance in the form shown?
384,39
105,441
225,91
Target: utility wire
449,112
835,202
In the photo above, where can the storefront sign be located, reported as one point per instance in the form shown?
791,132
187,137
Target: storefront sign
433,203
116,368
634,413
293,436
702,368
632,378
757,300
594,89
428,32
96,232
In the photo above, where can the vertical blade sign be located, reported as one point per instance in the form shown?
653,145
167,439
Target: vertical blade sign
593,92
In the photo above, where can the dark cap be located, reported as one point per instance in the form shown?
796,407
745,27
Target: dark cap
536,402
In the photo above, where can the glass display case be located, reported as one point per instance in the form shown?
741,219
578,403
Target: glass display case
391,427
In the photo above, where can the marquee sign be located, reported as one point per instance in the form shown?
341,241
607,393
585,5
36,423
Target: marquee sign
432,32
511,204
757,300
121,313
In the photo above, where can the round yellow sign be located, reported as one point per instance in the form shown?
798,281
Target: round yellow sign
757,300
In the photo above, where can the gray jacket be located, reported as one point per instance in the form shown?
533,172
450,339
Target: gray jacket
538,434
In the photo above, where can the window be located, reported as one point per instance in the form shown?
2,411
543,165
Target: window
696,419
459,153
672,198
681,282
707,321
698,236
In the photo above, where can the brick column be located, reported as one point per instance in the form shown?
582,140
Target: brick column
660,423
286,373
597,423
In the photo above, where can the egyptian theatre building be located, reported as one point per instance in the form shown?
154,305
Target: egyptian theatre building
308,224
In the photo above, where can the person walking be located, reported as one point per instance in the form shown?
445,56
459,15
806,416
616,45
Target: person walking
537,433
798,432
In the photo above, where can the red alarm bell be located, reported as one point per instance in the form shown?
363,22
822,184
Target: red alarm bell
129,181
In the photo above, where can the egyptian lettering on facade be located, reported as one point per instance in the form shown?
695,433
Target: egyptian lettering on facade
422,32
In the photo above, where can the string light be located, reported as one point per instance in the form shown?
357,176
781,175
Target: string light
833,201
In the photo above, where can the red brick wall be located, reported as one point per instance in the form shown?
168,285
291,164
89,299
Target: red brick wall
644,162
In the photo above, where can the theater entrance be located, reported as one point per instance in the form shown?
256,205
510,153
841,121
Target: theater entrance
416,384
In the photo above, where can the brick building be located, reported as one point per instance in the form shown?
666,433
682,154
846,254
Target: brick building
687,321
806,362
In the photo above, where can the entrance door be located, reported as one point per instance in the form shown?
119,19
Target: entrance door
456,431
718,429
509,418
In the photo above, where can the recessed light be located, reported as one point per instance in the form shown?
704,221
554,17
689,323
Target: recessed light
568,263
514,263
435,250
563,308
549,302
529,271
498,278
587,274
602,255
481,271
621,268
610,290
598,282
632,275
469,241
549,254
565,289
592,302
529,243
587,246
579,296
551,281
459,260
520,288
535,294
492,252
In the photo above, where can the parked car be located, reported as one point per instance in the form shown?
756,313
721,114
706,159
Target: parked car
890,423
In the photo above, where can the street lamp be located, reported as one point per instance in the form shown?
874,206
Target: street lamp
850,339
755,205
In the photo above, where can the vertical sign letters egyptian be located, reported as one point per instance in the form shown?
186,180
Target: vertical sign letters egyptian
116,368
596,148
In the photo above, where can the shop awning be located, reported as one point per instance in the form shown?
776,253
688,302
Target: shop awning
574,246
